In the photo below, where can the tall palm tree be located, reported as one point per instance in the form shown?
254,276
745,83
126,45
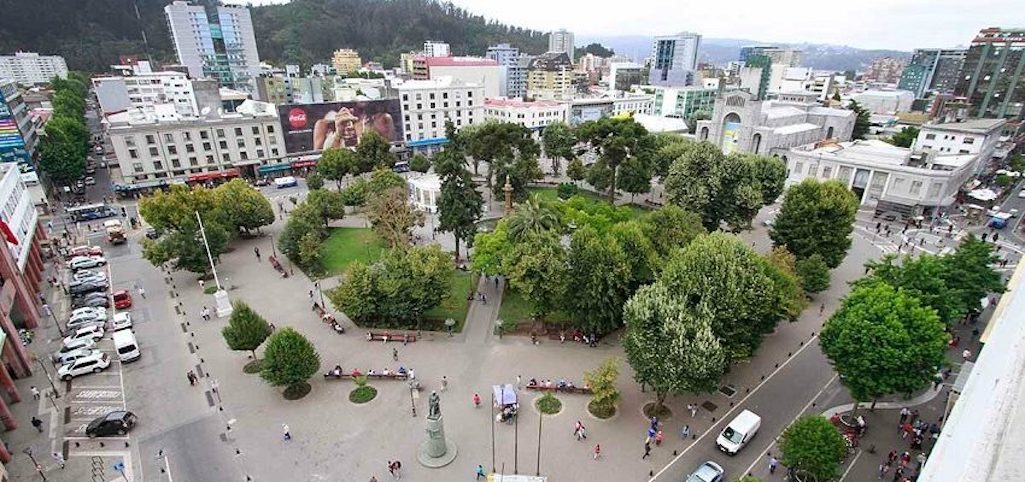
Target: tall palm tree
533,216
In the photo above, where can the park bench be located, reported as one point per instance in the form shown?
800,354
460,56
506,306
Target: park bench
330,375
386,337
555,388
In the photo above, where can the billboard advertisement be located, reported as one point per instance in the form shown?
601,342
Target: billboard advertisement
730,136
315,127
12,145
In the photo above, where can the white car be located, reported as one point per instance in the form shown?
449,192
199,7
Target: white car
1021,193
87,275
97,311
86,262
121,321
89,181
93,363
78,344
73,355
92,332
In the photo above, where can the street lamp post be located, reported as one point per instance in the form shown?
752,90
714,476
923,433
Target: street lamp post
492,430
39,468
49,378
220,296
49,311
540,417
412,404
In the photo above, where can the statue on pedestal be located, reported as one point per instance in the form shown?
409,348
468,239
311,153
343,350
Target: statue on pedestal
434,406
436,451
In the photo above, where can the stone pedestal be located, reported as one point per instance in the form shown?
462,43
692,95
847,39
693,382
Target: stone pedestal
437,451
222,303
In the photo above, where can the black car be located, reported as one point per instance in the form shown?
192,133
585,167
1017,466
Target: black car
94,300
114,423
86,287
152,233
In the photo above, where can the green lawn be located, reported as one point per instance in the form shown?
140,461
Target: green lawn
551,194
516,309
456,305
345,245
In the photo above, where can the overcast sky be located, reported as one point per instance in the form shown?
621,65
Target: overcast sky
895,24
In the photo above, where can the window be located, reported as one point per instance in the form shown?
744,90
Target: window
158,165
963,151
256,130
969,140
154,152
223,144
224,157
799,167
916,188
274,151
129,141
176,163
133,154
168,137
827,172
930,136
187,135
206,146
238,132
259,153
243,155
240,142
137,166
204,135
172,150
405,97
151,139
189,148
431,96
220,133
258,141
270,129
192,161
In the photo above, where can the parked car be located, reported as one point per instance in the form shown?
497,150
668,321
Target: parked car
263,181
87,287
92,332
122,299
118,422
86,262
94,363
99,312
71,356
96,300
87,275
152,233
75,345
86,319
78,251
707,472
89,181
121,321
285,181
90,169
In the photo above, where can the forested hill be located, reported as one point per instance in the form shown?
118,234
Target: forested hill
91,34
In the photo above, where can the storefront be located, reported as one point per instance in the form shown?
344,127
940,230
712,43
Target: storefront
211,179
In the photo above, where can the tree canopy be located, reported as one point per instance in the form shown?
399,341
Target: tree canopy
862,120
816,218
813,446
289,359
558,140
246,329
617,141
906,137
601,279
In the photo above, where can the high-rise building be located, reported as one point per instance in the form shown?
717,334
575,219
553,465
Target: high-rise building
561,41
346,61
428,104
550,77
886,70
145,91
29,68
215,41
434,48
674,59
624,75
993,75
932,70
515,65
476,70
17,128
778,55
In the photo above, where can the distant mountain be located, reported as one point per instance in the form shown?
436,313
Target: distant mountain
722,50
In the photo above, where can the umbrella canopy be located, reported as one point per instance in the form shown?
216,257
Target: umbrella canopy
504,394
983,194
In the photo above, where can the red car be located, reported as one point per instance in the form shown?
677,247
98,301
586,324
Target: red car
122,299
85,251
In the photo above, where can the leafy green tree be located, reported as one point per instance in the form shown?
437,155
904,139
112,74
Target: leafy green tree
558,141
327,204
567,190
742,294
69,129
373,152
184,249
534,216
174,213
814,273
604,394
302,220
816,218
617,141
246,329
383,180
510,151
671,345
1016,163
1003,180
355,194
862,120
460,207
289,360
906,137
671,228
310,255
669,148
315,181
639,250
970,274
635,176
63,163
723,188
600,275
924,277
245,208
883,341
813,446
536,267
419,163
336,163
491,249
575,170
599,176
392,217
836,95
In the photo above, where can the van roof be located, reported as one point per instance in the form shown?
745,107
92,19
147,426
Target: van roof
746,418
122,337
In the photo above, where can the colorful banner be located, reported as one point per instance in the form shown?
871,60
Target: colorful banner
315,127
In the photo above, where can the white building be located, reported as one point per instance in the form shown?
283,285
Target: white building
427,104
974,136
513,81
424,192
215,42
434,48
562,41
885,101
882,175
659,124
477,70
532,115
146,90
29,68
593,108
151,149
674,59
740,123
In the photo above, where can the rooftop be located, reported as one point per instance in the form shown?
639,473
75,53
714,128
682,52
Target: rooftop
437,82
164,114
978,126
795,128
654,123
460,62
886,93
495,102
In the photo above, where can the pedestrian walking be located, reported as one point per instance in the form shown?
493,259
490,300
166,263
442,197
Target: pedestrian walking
882,470
34,391
191,375
897,474
519,381
654,423
256,251
395,354
597,451
693,407
822,307
59,458
38,424
966,355
773,463
202,284
285,432
891,457
651,434
921,460
579,430
141,291
480,473
444,383
658,438
685,432
394,467
647,450
904,412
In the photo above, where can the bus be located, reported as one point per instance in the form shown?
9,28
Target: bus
88,212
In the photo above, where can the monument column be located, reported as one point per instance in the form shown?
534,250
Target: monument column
437,451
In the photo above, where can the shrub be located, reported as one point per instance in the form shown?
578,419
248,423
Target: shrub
567,190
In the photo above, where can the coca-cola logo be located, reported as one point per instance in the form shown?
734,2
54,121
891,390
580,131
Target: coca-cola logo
297,118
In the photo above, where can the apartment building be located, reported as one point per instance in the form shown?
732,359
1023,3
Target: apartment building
28,68
427,104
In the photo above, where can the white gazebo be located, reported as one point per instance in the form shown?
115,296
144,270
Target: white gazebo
424,192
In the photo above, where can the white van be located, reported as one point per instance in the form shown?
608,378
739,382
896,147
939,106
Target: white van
126,346
739,432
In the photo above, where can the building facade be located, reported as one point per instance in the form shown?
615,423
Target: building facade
346,61
624,75
146,90
890,178
477,70
18,129
674,59
885,101
561,41
682,102
885,70
550,77
29,68
588,109
534,115
741,123
215,41
932,70
515,65
427,104
977,137
434,48
993,74
777,55
152,151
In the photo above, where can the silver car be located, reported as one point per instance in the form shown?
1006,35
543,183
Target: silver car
76,345
73,355
707,472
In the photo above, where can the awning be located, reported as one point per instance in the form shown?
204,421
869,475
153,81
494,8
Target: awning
275,168
437,141
300,164
208,176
